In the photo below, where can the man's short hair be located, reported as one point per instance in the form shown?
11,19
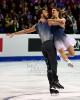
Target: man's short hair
40,12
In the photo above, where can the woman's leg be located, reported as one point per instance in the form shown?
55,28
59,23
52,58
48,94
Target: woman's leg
61,46
65,57
71,51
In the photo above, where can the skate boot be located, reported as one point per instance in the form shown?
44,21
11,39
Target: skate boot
56,84
53,91
70,64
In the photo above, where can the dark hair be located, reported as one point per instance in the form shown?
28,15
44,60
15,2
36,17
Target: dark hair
59,10
40,12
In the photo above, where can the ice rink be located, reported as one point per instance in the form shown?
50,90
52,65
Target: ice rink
28,81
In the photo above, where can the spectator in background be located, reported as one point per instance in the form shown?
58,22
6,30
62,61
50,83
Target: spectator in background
14,25
34,1
7,22
26,12
21,23
12,13
78,17
60,4
4,7
69,23
29,17
2,28
75,9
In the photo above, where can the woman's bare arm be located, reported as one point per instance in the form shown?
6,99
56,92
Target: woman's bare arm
59,22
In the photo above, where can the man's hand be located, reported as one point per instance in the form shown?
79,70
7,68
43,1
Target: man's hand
10,34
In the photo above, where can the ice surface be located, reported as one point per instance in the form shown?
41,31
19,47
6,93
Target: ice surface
28,81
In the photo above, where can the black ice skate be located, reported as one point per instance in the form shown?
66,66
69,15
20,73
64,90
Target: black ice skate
57,85
53,91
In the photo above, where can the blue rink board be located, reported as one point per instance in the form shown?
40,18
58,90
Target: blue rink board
28,58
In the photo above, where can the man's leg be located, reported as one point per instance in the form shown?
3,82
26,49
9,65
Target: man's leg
49,70
52,59
50,54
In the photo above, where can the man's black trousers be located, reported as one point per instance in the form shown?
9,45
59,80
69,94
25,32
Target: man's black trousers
50,55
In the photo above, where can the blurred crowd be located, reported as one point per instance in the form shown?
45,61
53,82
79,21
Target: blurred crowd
16,15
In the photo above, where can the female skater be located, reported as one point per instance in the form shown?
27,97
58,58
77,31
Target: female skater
61,40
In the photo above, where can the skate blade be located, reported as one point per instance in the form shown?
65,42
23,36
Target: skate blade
70,65
54,94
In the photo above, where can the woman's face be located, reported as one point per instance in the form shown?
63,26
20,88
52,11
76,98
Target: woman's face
55,13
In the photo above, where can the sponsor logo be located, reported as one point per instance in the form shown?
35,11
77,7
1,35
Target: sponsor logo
1,44
77,46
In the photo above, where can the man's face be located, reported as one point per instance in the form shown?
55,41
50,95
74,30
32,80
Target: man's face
45,13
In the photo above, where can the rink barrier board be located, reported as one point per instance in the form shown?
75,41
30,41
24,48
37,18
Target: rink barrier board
31,58
27,47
